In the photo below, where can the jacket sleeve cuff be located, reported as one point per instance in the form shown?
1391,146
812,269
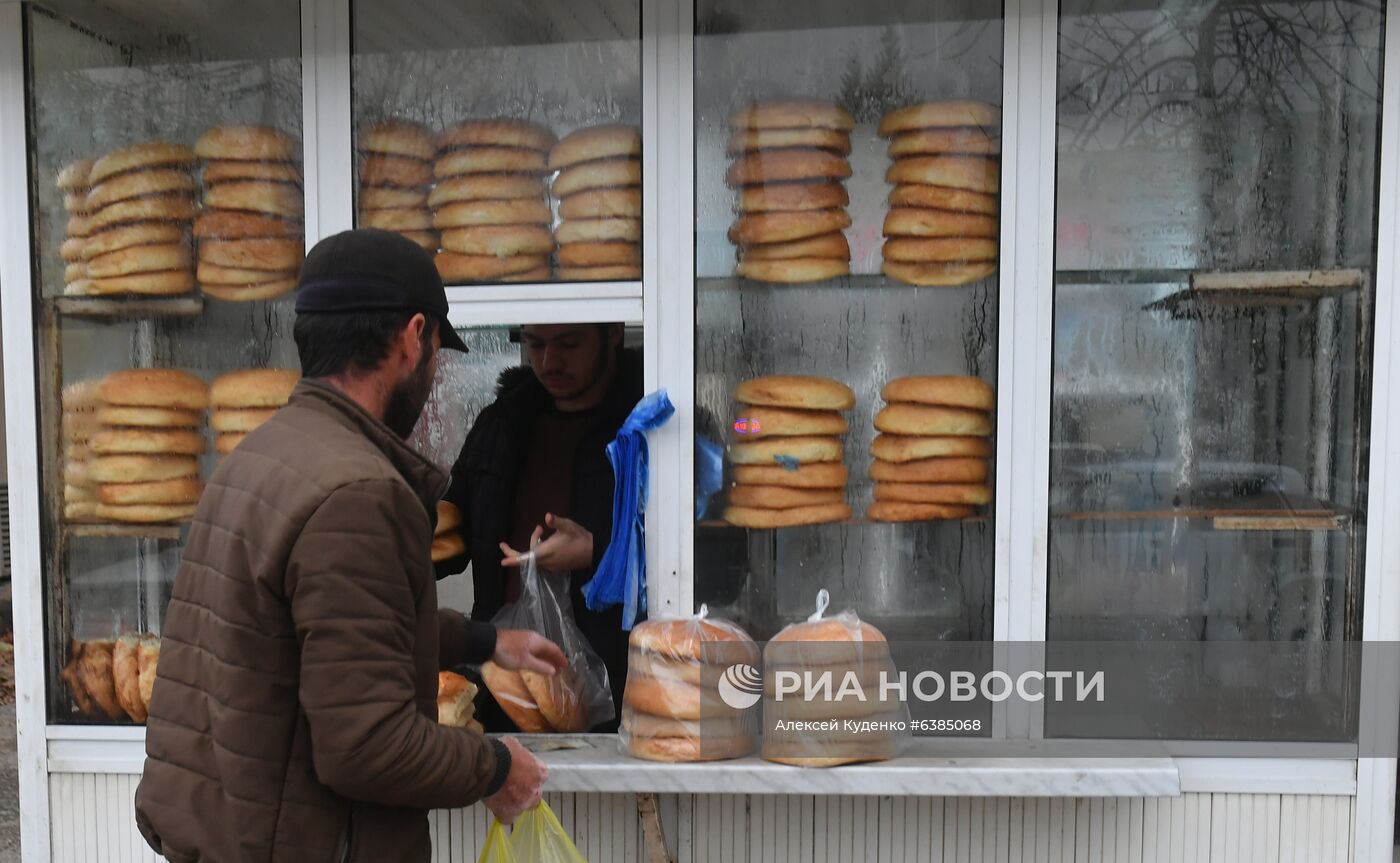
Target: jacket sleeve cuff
463,641
503,759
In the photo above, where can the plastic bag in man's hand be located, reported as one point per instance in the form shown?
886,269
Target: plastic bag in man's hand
578,697
538,837
497,847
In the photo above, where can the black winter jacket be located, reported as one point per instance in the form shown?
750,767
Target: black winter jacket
488,471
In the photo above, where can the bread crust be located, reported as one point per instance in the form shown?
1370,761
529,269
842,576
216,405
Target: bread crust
228,442
972,173
906,448
73,249
600,174
485,187
447,546
682,642
923,222
760,421
688,749
229,225
558,699
269,172
129,236
912,419
210,275
395,171
157,208
520,211
147,657
249,293
788,197
141,468
953,390
602,204
275,199
796,391
137,441
831,246
937,275
673,699
163,492
94,671
126,677
619,273
273,254
163,284
75,272
253,388
818,475
499,240
247,143
80,511
514,698
405,219
803,450
139,259
449,517
895,511
782,497
640,724
938,469
489,160
949,113
73,176
137,184
453,266
766,519
399,138
934,142
596,142
609,254
80,225
152,154
240,419
145,513
599,231
148,417
970,494
786,166
781,227
748,140
939,250
497,132
792,114
390,198
161,388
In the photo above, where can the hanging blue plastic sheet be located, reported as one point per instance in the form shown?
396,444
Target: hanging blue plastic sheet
621,576
709,473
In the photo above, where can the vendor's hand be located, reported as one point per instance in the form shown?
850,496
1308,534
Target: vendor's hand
524,784
523,650
568,548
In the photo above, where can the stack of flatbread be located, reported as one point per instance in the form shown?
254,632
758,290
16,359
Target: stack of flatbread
396,171
599,190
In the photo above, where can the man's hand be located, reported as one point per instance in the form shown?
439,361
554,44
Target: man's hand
523,650
523,787
568,548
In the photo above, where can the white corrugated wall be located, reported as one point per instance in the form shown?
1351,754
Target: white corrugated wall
92,823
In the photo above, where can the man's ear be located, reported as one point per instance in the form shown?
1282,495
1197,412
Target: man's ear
411,339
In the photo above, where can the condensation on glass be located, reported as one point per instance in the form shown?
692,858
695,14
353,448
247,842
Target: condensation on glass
915,580
1215,253
99,79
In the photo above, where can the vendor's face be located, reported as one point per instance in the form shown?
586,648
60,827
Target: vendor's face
568,359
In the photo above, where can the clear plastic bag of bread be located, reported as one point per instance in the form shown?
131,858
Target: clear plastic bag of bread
575,699
831,669
692,688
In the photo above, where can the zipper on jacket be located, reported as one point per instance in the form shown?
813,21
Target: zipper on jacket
347,838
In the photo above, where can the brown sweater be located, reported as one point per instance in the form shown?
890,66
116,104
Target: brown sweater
294,712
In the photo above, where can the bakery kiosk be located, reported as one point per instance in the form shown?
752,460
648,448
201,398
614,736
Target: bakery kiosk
1153,242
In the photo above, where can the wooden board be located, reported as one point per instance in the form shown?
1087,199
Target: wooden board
116,308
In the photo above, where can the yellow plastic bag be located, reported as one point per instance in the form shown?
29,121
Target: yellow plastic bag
497,847
538,837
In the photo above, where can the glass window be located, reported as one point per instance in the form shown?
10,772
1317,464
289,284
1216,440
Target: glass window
847,187
167,213
506,139
1216,235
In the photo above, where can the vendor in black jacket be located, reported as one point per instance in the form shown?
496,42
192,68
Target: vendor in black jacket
535,463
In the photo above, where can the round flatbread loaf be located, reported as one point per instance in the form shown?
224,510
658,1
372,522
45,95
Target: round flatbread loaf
253,388
603,204
759,421
416,219
447,546
130,236
602,174
449,517
538,274
792,114
139,259
792,196
920,222
240,420
600,254
936,142
820,475
674,699
600,274
250,293
268,172
952,390
886,510
786,166
165,284
968,494
943,198
247,143
907,448
162,388
158,208
499,240
676,750
79,494
958,172
228,442
645,725
81,226
596,142
396,171
274,254
124,441
80,511
399,138
514,698
747,140
910,419
170,491
796,391
780,450
73,177
833,245
763,519
118,415
599,231
485,187
75,202
153,154
137,184
783,497
931,115
428,240
937,470
454,267
390,198
489,160
275,199
939,250
937,275
226,225
141,468
80,396
520,211
74,272
145,513
77,473
498,132
781,227
73,249
213,275
558,699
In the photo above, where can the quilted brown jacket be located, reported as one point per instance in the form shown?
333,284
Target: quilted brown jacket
294,711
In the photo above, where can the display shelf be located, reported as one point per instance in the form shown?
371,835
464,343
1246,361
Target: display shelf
546,303
1256,290
170,532
856,281
1243,515
719,524
118,308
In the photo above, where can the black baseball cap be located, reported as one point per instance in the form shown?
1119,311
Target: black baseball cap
369,270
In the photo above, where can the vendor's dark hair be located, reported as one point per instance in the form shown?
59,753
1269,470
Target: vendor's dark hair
331,344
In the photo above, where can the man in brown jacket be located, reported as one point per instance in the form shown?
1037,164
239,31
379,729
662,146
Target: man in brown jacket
294,712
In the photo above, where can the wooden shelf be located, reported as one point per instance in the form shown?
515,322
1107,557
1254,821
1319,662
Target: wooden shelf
1242,517
119,308
720,524
1256,291
169,532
